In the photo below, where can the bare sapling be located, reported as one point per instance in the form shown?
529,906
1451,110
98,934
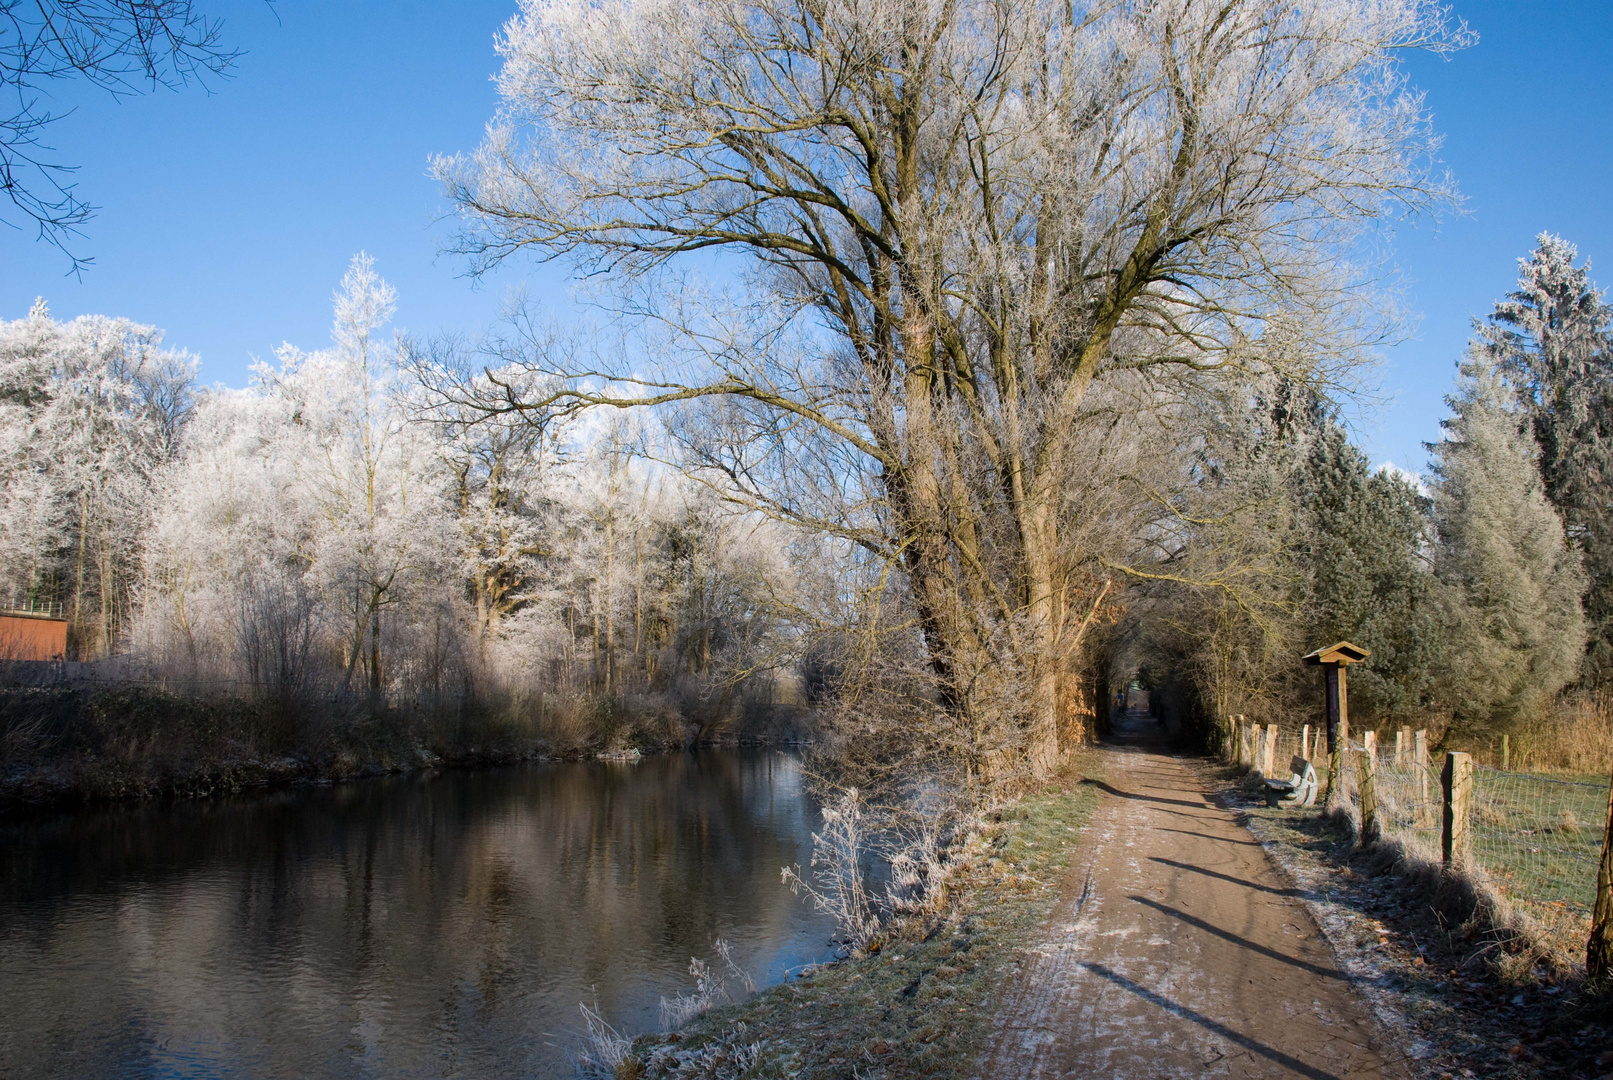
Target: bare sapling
837,886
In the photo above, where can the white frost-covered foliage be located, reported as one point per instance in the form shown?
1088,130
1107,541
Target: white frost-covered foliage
330,526
303,511
633,128
1518,634
90,410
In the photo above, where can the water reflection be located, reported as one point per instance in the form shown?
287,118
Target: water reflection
430,926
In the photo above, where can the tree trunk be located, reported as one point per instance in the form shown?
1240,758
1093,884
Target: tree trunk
78,587
1599,948
609,605
105,627
375,643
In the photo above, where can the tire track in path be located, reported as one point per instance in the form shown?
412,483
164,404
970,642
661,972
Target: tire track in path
1178,950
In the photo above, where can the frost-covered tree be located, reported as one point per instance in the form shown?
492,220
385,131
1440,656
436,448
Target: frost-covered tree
1231,650
505,512
1552,340
659,583
336,525
230,533
89,411
375,476
1517,632
1321,547
963,219
312,493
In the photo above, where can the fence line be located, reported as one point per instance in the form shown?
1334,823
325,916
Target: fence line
1535,841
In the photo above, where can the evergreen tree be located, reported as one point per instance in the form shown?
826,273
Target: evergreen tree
1550,339
1518,634
1368,581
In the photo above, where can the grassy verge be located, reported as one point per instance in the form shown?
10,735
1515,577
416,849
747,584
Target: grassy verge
922,1003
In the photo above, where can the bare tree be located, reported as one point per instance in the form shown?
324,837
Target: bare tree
962,217
121,46
497,467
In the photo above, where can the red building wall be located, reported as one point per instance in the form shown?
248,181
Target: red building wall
24,637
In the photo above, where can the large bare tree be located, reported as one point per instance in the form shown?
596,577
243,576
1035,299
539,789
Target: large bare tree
973,229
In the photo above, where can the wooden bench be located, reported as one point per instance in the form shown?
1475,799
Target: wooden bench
1298,790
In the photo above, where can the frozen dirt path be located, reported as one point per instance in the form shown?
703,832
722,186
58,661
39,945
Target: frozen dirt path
1178,950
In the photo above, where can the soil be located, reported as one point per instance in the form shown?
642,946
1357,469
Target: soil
1179,949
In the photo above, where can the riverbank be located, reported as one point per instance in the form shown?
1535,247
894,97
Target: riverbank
108,743
923,1001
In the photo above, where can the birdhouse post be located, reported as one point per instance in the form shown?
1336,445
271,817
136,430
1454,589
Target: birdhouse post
1334,660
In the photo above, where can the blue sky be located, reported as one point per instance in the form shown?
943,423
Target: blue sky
227,218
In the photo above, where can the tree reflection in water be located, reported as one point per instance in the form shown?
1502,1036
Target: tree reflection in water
443,925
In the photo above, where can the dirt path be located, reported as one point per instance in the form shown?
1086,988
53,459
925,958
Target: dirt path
1178,950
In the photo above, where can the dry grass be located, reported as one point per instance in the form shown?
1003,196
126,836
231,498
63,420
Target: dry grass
95,740
1478,995
1577,738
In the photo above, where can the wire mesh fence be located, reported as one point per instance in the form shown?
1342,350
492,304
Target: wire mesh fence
1408,800
1537,840
1533,839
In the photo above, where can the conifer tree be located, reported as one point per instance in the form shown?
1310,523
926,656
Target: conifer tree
1517,633
1550,339
1367,581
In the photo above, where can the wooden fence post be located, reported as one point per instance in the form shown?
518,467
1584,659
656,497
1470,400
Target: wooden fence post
1332,777
1305,742
1246,752
1599,948
1337,749
1366,769
1506,753
1402,746
1419,762
1369,743
1269,759
1457,785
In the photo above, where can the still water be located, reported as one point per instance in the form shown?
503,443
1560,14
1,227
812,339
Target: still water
433,926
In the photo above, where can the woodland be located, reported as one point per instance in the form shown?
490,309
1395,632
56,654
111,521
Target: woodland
959,366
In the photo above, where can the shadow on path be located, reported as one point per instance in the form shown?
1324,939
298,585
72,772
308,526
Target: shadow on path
1217,839
1252,1045
1101,786
1298,894
1227,935
1126,987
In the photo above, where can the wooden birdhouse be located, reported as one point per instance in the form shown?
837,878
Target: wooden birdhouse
1333,660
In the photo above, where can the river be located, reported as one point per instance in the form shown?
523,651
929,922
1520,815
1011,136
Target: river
440,925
